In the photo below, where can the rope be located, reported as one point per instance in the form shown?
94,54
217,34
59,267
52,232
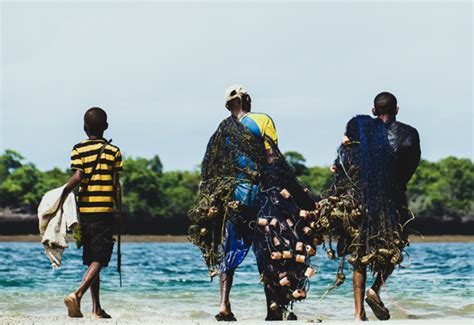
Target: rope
396,304
328,290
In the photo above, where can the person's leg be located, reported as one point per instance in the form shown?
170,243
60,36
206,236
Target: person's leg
379,280
91,273
358,282
226,280
95,288
373,296
272,314
73,300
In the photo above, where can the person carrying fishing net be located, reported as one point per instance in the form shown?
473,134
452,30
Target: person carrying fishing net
96,165
233,209
366,207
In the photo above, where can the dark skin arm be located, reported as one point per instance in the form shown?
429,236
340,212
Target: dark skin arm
74,181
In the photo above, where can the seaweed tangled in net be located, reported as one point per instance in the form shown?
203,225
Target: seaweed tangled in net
359,210
283,241
220,174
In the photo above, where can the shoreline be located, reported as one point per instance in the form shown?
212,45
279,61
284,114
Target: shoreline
183,239
62,320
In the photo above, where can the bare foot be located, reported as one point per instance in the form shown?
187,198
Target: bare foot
224,309
361,318
73,306
101,315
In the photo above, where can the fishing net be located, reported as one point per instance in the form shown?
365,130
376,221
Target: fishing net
359,210
283,240
220,173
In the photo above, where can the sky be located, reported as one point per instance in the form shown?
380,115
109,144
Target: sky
160,69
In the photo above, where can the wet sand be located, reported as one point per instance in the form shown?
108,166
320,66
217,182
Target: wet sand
64,320
183,239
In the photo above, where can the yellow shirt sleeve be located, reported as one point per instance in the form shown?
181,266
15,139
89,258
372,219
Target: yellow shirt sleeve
118,162
76,160
269,130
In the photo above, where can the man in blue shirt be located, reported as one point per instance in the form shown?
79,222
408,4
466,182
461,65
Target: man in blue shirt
238,242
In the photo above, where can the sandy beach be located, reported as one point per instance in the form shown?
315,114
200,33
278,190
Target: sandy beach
64,320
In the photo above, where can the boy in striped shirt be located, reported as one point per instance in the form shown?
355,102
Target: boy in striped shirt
98,196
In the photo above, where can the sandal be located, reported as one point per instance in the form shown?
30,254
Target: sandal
225,318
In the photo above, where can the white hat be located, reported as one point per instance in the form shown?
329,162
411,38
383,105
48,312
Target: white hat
234,91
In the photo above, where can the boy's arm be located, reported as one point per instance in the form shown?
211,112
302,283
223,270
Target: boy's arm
71,184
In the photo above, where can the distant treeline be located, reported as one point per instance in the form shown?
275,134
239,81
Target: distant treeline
156,202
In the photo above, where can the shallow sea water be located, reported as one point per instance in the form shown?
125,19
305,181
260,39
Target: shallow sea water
169,281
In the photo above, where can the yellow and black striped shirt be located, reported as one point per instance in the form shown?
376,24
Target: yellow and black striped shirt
96,195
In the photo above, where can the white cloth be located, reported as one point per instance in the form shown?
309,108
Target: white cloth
53,226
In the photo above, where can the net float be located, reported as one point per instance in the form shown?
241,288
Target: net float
299,246
310,250
333,198
284,282
287,254
262,222
276,256
304,214
309,272
285,194
299,294
274,222
274,306
276,241
300,258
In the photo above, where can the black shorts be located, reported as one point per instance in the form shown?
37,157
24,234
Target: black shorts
97,237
